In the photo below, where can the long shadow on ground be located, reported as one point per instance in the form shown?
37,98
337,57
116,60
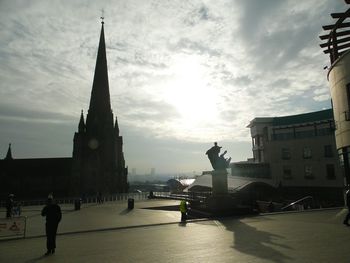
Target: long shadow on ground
250,240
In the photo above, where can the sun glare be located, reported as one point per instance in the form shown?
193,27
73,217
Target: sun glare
189,92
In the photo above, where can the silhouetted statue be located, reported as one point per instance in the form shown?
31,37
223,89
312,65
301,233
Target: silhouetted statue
217,162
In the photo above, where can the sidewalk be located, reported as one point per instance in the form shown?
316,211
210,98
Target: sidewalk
154,235
107,216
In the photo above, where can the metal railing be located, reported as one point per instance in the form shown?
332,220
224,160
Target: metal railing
188,196
89,199
299,204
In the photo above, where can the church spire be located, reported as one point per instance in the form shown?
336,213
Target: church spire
81,127
9,153
100,98
116,126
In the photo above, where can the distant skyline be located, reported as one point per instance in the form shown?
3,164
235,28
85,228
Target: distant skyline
182,74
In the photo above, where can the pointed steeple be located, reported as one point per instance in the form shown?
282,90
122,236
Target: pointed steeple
9,153
116,126
81,127
100,99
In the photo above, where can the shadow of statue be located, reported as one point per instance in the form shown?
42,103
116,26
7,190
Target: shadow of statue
249,240
36,259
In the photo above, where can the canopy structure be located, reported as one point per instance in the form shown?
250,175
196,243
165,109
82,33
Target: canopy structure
235,183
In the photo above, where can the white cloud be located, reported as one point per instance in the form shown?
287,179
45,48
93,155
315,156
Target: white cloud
193,71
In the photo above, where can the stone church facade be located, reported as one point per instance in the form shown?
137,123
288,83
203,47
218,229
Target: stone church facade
97,164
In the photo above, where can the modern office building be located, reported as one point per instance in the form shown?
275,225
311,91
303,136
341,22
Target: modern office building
296,155
295,151
337,45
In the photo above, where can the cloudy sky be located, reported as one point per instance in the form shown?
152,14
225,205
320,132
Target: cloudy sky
182,74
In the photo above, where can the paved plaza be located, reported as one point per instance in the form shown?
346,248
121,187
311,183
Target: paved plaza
111,233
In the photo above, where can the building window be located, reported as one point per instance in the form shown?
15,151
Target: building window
307,154
304,134
287,172
328,151
344,156
286,154
308,172
330,171
347,113
324,132
283,136
255,143
341,158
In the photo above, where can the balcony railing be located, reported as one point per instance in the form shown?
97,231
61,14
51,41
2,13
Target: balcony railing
338,38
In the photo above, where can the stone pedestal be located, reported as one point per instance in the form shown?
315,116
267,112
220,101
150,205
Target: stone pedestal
219,182
220,201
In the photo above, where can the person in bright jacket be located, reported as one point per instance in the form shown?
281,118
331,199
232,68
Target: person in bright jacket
183,210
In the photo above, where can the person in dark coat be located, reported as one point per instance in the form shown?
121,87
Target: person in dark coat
9,205
53,215
346,220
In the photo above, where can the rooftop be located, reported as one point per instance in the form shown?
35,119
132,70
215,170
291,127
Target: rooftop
317,116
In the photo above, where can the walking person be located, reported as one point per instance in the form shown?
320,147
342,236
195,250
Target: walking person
53,215
183,210
9,206
346,220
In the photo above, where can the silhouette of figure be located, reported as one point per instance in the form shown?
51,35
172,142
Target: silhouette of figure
53,217
346,220
213,155
9,205
99,198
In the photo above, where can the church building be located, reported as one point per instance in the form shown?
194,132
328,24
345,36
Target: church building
97,164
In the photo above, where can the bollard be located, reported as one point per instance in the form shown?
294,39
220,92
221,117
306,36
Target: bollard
130,203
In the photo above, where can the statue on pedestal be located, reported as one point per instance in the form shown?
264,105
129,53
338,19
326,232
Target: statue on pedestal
218,162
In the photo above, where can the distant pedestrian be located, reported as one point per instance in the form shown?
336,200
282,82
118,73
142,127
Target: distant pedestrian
271,207
53,215
17,209
183,210
99,198
346,220
9,206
